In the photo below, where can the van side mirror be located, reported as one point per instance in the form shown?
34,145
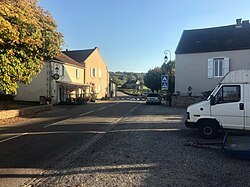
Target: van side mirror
212,100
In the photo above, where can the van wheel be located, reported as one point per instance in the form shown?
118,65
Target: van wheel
208,129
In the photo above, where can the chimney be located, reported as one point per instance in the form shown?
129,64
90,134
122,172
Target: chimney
238,23
67,49
245,24
97,49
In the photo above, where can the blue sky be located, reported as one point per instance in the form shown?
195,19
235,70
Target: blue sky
133,34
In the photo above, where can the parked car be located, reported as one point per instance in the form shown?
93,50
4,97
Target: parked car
153,98
227,107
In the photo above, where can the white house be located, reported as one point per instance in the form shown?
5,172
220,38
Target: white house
61,79
205,56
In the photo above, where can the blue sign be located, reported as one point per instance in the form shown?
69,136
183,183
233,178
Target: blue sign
164,82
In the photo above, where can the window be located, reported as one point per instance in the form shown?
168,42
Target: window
218,67
76,73
228,94
92,72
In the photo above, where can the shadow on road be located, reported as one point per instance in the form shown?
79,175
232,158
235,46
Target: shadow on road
147,148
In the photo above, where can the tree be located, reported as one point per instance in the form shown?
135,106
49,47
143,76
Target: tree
28,34
152,79
169,69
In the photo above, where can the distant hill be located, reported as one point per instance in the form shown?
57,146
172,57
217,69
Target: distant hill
122,77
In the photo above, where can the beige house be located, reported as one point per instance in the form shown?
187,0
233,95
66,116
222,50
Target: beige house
96,71
61,80
205,56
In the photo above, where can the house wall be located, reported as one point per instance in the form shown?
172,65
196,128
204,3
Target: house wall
67,74
45,85
37,87
101,82
192,69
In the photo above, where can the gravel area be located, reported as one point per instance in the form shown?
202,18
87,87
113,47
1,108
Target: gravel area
147,149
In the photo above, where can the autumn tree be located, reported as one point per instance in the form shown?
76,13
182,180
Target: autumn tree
28,34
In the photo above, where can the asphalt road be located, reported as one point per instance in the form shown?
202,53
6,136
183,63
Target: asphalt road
29,149
147,148
126,143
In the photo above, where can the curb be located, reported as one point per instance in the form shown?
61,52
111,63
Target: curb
24,111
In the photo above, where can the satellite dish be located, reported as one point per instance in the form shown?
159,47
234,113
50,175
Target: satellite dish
56,76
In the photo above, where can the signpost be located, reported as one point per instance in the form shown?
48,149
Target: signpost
164,82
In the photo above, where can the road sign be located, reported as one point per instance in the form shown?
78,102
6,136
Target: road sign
164,82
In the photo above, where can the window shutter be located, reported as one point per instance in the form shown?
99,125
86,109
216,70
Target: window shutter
62,72
91,72
225,66
210,68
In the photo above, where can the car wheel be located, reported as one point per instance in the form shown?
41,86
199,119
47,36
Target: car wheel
208,129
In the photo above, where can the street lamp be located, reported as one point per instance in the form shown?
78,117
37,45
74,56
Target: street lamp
166,56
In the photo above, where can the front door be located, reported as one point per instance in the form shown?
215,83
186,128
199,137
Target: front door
61,94
229,106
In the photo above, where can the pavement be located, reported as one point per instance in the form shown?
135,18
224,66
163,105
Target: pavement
147,148
125,144
30,147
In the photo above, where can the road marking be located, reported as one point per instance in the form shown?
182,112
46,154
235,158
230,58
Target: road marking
102,108
56,123
13,137
113,104
86,113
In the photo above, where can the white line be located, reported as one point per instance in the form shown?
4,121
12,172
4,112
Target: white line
86,113
55,123
102,108
13,137
113,104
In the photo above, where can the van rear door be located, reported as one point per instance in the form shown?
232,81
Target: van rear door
247,105
229,106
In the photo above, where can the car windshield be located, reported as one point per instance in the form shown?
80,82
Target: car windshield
153,95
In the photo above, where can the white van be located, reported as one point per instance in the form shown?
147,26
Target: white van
228,106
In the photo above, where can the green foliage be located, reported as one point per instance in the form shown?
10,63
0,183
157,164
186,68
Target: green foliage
121,78
152,79
28,34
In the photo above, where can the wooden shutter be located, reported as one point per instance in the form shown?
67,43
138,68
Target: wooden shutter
210,68
225,66
62,70
91,72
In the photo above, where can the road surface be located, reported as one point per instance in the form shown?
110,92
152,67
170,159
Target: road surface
126,143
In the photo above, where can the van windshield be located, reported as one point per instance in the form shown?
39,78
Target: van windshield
213,91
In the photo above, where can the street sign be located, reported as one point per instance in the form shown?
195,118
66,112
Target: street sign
164,82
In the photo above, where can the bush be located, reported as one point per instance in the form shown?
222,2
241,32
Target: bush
4,97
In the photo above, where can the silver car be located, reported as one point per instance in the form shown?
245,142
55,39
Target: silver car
153,98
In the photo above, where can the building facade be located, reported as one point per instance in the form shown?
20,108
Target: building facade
61,80
205,56
96,71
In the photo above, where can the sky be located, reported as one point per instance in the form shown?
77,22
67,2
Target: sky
132,35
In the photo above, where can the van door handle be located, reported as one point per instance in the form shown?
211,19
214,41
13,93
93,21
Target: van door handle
241,106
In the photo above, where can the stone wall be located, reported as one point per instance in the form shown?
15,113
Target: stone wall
184,101
24,111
